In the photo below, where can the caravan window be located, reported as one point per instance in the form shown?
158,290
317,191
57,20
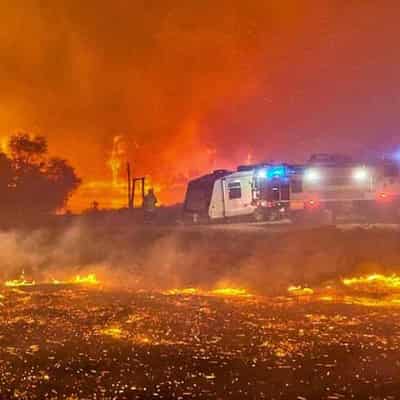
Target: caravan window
235,190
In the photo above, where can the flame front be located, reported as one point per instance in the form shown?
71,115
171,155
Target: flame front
118,156
19,282
221,291
90,279
374,282
300,291
178,291
230,291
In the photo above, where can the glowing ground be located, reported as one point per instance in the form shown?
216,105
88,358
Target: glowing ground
59,342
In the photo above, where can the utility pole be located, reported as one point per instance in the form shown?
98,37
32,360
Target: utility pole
143,194
142,181
131,188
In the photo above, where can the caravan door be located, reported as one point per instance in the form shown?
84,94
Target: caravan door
238,194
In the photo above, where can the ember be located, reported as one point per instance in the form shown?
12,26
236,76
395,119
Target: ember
114,332
178,291
300,291
122,344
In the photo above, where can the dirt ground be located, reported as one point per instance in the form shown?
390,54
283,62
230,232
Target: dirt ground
156,325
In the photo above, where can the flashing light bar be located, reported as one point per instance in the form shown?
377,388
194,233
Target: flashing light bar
272,172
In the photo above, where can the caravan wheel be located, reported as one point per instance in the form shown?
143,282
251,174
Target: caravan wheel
259,215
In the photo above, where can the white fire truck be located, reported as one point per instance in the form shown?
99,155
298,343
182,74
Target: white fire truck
332,185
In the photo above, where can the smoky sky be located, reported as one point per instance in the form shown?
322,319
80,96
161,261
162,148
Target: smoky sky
194,85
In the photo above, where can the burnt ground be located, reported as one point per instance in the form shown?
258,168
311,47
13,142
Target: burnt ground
59,342
68,342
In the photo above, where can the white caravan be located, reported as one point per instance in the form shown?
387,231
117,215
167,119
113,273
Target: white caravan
259,191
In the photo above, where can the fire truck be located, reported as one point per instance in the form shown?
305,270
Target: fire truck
332,185
257,192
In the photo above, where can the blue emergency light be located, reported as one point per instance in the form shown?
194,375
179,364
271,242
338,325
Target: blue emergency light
276,171
272,172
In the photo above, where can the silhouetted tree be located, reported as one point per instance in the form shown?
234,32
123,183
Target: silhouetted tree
31,182
27,151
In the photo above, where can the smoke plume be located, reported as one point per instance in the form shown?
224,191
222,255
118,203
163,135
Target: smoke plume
164,258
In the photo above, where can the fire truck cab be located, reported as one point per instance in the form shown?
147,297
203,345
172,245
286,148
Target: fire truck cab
335,185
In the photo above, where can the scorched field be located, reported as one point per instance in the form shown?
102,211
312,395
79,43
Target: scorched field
73,341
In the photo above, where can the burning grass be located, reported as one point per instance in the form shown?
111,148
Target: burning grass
373,290
21,281
300,291
374,282
129,344
86,280
90,279
230,291
219,291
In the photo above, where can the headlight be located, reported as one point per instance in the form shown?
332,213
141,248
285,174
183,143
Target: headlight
360,174
262,173
312,175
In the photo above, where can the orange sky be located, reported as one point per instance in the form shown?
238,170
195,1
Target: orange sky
192,85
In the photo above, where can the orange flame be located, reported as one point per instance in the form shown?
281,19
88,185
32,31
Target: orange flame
118,156
374,282
90,279
300,291
222,291
230,291
19,282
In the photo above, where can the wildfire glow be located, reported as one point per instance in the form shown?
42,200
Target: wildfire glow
300,291
117,332
19,282
114,332
118,156
177,291
326,298
90,279
223,291
228,291
374,282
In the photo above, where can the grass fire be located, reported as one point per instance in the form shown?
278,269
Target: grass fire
199,200
132,344
198,312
